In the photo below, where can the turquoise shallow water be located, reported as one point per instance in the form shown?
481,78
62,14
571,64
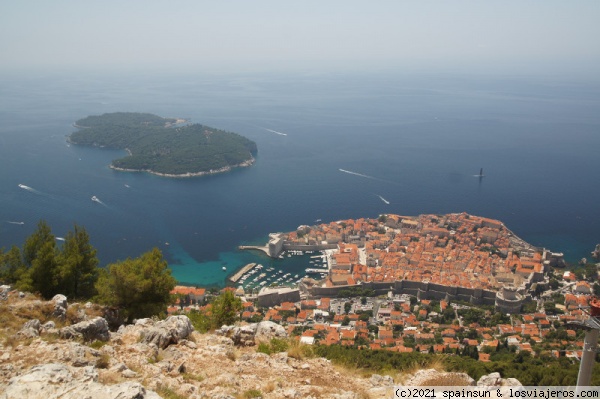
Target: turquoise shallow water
418,140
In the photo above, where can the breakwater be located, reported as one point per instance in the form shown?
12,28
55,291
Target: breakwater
241,272
264,249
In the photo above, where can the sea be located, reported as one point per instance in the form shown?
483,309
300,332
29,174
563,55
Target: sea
331,146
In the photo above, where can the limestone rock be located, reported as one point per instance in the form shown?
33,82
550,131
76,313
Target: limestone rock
169,331
495,380
129,373
267,330
60,306
58,381
244,336
381,380
49,325
253,333
31,329
4,290
90,330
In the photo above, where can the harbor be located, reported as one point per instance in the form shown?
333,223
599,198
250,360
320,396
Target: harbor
277,273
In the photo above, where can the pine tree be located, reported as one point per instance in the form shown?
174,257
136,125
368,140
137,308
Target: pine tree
11,265
78,265
139,287
225,309
39,256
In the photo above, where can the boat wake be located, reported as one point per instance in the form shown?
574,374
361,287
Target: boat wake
30,189
24,187
96,199
357,174
275,131
383,199
19,223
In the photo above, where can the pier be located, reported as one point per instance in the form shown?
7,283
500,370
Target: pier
241,272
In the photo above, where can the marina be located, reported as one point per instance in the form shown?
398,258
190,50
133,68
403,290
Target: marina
254,276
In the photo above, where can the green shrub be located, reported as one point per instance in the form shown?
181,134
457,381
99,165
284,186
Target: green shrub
253,393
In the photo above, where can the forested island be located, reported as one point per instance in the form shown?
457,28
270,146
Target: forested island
164,146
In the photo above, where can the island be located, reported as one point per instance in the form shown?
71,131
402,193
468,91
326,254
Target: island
164,146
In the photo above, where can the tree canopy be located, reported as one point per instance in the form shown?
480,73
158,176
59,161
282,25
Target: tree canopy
139,287
43,266
224,310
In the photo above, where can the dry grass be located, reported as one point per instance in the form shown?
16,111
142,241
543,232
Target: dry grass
11,340
432,362
103,361
157,357
299,351
51,337
168,393
252,393
73,315
9,321
269,387
110,377
188,377
232,354
34,310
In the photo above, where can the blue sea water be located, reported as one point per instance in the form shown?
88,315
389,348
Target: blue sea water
415,140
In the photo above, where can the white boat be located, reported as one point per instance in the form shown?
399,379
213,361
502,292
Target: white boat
224,268
94,198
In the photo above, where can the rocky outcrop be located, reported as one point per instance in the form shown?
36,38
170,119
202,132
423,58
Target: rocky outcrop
59,381
494,380
254,333
160,333
169,331
267,330
60,306
4,290
89,330
31,329
168,357
243,336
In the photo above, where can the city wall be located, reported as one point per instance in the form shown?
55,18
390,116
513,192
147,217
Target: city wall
419,289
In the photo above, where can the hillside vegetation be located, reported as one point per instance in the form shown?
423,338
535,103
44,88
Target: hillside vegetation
159,146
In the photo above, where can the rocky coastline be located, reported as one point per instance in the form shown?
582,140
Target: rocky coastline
225,169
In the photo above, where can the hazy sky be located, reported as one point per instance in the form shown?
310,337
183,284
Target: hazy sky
255,35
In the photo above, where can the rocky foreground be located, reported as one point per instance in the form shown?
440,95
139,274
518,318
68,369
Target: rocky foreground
58,350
